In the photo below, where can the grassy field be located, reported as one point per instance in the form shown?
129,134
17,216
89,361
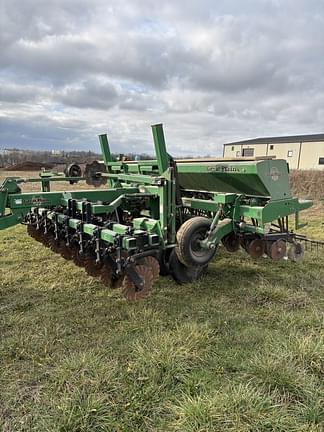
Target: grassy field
241,350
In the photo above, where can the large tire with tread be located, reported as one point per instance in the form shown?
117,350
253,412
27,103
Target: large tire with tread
188,249
183,274
164,262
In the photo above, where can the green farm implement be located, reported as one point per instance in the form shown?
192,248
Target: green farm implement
161,216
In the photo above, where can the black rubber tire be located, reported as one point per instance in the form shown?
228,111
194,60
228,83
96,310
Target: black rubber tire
164,262
183,274
188,250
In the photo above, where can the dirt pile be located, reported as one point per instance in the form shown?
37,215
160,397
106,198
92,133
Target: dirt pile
29,166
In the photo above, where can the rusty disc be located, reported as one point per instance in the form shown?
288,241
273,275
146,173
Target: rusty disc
47,239
154,265
117,281
54,245
77,258
296,252
37,235
231,242
90,174
278,250
41,237
256,248
31,230
106,275
91,266
130,292
65,251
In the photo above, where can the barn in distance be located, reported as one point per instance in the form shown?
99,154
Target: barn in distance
304,152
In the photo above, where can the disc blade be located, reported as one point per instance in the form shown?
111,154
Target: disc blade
231,242
256,248
65,251
154,265
54,245
129,290
91,267
278,250
296,252
77,257
106,275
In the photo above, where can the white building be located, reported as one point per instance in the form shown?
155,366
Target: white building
301,151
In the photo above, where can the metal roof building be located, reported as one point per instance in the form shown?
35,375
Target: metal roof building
301,151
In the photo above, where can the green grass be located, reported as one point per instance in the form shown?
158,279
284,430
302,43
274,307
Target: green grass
241,350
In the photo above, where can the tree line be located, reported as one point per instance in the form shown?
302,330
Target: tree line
10,158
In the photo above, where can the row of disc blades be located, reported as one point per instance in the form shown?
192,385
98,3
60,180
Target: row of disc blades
257,247
148,269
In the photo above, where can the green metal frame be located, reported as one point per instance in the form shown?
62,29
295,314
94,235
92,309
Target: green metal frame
236,192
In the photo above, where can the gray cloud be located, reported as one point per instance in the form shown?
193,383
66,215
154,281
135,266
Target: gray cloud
18,93
90,94
212,71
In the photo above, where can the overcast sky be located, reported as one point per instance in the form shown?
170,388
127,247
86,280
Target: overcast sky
211,71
